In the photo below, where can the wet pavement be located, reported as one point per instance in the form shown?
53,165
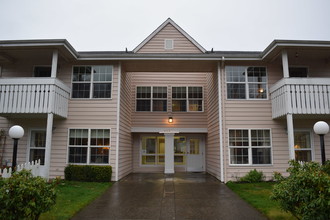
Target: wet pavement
166,197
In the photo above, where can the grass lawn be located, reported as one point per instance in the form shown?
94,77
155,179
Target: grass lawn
73,196
257,194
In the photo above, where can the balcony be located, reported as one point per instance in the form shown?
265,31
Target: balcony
33,96
301,96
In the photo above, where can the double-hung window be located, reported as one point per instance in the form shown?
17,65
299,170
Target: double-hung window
187,99
151,98
92,82
250,146
246,82
89,146
37,146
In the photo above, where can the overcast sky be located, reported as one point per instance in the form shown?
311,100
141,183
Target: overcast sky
112,25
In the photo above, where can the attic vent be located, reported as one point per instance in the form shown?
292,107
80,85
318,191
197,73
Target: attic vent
169,44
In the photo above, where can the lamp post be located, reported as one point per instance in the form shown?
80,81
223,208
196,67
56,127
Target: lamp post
15,132
321,128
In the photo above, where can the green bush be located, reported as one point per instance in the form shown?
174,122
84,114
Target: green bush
306,192
88,173
253,176
23,196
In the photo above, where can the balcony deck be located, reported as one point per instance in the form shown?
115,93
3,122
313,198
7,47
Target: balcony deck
300,96
33,96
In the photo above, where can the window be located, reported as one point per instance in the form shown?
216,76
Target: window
246,82
42,71
37,146
153,150
92,82
151,99
302,146
89,146
298,71
250,146
187,96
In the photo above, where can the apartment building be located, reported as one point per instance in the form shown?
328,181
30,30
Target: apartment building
168,106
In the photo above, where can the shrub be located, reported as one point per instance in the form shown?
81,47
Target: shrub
306,192
23,196
253,176
88,173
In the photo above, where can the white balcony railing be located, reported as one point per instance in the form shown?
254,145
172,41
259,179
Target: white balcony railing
34,95
300,96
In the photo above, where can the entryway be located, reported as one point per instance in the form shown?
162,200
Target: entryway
187,156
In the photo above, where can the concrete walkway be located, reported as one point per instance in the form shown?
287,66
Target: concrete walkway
179,196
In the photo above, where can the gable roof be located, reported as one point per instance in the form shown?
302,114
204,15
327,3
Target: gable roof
155,32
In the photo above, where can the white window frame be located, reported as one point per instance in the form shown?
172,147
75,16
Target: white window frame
249,147
29,143
88,146
246,83
92,82
311,140
151,98
188,99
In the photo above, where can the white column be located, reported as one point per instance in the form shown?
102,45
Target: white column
285,64
222,165
49,134
169,153
289,121
54,64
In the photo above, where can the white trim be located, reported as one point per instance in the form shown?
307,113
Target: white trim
54,64
249,147
151,98
155,32
222,164
311,136
88,146
161,130
118,122
92,82
247,83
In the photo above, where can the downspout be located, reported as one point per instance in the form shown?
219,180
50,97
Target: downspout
220,119
117,128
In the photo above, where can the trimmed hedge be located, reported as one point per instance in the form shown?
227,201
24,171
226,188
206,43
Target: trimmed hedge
88,173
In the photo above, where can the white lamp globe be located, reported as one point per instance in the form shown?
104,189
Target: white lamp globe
16,132
321,128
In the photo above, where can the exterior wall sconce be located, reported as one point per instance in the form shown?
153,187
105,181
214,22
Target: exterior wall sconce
321,128
170,119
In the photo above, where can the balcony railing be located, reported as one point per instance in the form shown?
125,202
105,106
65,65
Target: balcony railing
300,96
33,95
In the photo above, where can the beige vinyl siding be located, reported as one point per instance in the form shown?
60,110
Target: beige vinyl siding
169,79
181,43
85,113
257,114
213,141
125,135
